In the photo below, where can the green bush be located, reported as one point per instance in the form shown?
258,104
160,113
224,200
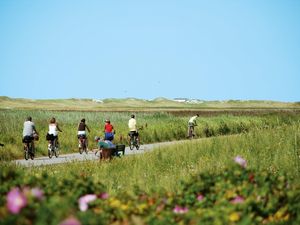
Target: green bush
236,196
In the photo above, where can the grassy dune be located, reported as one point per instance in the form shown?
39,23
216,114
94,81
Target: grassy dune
160,104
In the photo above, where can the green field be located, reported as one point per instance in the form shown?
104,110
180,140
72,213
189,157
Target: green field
193,182
157,126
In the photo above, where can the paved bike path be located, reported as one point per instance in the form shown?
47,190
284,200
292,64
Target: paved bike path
68,158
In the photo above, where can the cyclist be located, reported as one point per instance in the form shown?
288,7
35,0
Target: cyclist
191,124
132,127
29,131
53,132
81,131
108,131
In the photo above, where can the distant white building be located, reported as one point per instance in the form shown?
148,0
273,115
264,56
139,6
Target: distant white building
97,100
185,100
180,99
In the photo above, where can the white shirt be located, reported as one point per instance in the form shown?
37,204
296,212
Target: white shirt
193,120
53,129
132,124
28,128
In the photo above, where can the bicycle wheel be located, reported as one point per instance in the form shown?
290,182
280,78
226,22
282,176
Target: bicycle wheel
31,152
85,147
80,146
190,133
26,153
50,150
131,144
56,153
137,146
56,150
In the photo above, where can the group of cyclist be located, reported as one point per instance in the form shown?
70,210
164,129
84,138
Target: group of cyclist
30,133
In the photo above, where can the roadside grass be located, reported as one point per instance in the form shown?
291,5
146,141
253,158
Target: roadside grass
275,150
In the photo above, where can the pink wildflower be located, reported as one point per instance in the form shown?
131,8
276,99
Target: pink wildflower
180,210
200,198
239,160
238,199
37,193
104,195
16,200
84,200
70,221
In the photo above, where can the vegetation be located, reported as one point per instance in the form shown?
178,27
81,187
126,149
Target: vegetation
156,127
244,169
195,182
158,104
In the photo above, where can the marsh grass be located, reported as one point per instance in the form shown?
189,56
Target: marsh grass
273,150
156,127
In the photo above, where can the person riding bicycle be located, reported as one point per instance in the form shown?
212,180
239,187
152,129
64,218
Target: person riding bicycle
132,127
108,131
53,132
81,131
191,125
29,131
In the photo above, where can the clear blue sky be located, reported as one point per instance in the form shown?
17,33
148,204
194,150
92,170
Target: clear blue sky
210,50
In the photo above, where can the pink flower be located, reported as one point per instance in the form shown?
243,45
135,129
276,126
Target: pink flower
200,198
84,200
70,221
238,199
16,200
239,160
104,195
180,210
37,193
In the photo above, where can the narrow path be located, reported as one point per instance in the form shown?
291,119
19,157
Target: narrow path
66,158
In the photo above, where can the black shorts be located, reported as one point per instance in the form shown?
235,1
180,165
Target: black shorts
27,139
51,137
133,133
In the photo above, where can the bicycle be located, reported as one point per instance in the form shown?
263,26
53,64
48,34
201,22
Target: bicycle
134,141
82,147
191,131
29,150
53,148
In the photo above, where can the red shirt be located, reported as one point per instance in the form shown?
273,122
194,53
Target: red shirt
108,128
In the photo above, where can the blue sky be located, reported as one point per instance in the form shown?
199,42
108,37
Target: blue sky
210,50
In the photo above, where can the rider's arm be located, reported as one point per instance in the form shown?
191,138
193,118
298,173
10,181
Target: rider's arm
33,127
87,128
58,128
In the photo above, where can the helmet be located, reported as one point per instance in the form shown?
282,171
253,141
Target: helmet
83,120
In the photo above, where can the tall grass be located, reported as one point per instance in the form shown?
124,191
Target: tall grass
275,150
157,126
